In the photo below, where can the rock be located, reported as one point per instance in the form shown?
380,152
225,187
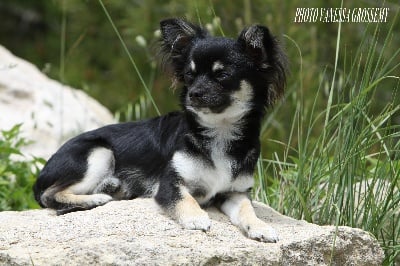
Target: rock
50,112
136,232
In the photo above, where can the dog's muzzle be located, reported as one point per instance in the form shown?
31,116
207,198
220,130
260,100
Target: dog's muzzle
201,101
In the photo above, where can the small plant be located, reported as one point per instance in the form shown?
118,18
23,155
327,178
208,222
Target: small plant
16,176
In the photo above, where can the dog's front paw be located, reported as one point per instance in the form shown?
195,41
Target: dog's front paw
262,232
199,221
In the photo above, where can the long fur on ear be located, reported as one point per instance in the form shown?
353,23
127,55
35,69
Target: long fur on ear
177,36
266,52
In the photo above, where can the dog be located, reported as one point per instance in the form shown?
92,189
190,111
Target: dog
203,155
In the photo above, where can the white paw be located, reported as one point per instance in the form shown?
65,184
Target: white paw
262,232
100,199
198,222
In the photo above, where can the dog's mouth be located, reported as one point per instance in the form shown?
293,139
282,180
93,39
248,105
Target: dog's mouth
209,107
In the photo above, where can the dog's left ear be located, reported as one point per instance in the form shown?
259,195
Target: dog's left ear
268,56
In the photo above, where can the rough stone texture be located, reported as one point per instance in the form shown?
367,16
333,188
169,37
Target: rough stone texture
137,233
50,112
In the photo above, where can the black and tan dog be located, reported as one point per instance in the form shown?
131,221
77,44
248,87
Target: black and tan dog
202,155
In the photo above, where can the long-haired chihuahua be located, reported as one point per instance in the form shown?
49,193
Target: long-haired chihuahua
204,154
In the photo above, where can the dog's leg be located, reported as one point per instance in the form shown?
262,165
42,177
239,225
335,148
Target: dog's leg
184,208
189,213
241,213
85,201
91,190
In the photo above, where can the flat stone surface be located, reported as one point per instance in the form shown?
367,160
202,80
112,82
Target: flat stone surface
137,232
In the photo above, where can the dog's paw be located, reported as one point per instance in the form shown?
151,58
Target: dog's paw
99,199
108,186
196,222
262,232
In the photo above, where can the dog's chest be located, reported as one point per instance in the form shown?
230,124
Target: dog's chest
205,179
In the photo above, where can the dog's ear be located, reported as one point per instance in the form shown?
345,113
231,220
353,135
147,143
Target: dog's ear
177,36
266,53
178,33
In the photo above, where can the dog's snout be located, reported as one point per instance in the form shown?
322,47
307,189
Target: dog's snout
196,94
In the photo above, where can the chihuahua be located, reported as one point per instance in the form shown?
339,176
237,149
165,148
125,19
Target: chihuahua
203,155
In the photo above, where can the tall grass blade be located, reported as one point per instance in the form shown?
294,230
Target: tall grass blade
130,57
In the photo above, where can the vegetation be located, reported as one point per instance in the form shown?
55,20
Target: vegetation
341,161
330,148
17,174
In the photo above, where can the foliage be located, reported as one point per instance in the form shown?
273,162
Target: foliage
16,176
341,162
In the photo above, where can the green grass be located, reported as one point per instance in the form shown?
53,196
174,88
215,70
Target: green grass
341,161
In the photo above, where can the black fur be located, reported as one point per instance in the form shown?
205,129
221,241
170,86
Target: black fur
143,151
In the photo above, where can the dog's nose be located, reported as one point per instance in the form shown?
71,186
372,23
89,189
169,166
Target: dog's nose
195,95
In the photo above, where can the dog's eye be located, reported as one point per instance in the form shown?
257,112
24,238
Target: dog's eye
189,76
222,75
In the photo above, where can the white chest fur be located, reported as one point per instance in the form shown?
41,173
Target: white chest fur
216,177
211,179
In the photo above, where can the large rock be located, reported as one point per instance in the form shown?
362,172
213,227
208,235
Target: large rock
50,112
137,233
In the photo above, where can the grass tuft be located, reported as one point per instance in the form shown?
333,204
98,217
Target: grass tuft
341,162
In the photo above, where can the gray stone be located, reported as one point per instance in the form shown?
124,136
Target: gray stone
50,112
137,232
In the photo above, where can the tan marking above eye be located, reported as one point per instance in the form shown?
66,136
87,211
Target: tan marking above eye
217,66
192,66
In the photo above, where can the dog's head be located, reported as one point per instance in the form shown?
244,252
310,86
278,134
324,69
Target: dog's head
223,77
